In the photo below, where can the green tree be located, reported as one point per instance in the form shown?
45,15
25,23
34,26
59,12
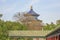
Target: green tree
58,22
49,26
19,17
8,25
1,16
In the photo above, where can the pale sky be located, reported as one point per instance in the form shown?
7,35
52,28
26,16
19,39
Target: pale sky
49,10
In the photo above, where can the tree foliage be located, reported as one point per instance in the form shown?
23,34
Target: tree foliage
1,15
8,25
52,25
58,22
19,16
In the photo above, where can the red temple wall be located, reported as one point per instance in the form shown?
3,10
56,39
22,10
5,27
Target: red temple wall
53,38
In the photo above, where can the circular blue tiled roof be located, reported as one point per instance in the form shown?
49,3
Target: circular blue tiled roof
32,12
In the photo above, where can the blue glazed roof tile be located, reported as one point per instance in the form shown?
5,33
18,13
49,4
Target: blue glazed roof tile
33,13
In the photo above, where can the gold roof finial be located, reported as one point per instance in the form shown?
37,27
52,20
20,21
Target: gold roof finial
31,7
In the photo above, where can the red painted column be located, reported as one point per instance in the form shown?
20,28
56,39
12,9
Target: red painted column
49,38
59,37
55,38
35,38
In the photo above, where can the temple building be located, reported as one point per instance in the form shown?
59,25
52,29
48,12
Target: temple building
34,27
31,20
37,35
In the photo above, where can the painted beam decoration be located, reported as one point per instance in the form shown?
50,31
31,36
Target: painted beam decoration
28,33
